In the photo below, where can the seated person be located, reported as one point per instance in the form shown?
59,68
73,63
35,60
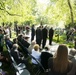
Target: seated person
31,46
25,41
72,56
35,53
8,42
15,41
60,64
18,56
20,37
4,73
45,55
4,59
0,73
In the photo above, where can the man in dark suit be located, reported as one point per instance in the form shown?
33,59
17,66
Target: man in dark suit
32,33
38,36
25,42
51,33
44,36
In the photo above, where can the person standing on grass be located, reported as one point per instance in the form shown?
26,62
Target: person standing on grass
32,33
51,33
38,36
44,36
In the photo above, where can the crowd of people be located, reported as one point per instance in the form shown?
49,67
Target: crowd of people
41,33
61,63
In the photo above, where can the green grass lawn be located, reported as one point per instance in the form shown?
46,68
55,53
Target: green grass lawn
62,40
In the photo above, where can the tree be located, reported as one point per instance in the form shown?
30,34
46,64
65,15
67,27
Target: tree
17,10
71,12
53,12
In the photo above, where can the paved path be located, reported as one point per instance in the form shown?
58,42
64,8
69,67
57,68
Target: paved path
53,47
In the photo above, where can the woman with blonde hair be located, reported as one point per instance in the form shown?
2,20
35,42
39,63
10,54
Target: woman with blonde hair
60,64
36,53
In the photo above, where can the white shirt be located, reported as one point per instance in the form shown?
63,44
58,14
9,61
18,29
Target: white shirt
35,54
7,31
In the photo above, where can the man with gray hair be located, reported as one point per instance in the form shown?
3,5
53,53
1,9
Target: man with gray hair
18,56
72,56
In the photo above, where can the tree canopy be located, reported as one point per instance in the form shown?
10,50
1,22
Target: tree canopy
52,12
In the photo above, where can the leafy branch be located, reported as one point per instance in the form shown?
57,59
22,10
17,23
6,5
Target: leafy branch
3,8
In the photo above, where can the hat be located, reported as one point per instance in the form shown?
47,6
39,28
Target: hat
26,36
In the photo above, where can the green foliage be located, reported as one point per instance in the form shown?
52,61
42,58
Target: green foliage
17,10
62,40
30,10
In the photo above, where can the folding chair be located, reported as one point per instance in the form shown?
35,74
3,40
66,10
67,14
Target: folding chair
23,72
39,65
20,65
23,48
0,64
20,70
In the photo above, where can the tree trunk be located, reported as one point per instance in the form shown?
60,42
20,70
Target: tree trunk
71,12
